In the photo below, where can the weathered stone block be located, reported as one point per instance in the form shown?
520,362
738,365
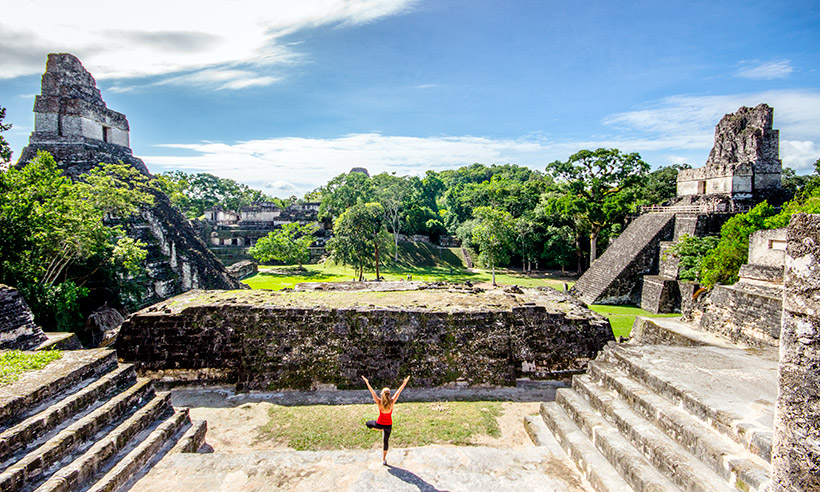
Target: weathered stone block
17,328
266,343
796,453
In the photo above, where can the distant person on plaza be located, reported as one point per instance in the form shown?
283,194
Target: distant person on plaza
385,403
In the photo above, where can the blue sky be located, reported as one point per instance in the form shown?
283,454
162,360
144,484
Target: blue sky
283,95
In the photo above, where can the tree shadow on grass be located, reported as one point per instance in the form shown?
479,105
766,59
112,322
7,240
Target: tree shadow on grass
412,479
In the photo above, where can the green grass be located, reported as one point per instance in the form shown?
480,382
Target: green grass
15,362
420,260
317,427
623,317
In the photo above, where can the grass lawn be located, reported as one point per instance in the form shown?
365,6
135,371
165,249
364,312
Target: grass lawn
623,317
277,278
420,260
316,427
15,362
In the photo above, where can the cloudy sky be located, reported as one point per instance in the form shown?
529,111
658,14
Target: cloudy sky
285,94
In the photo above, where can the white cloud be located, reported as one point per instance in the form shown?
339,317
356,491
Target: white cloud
688,122
233,44
673,130
765,70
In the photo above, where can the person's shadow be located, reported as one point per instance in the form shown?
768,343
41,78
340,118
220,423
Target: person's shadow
412,479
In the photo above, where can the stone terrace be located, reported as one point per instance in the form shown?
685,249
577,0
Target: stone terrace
273,340
676,409
86,423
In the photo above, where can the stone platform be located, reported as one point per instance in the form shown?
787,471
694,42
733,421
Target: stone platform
85,422
427,469
684,410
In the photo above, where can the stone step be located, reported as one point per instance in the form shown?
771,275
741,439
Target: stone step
665,454
629,462
17,438
727,458
146,450
731,419
74,370
74,475
192,440
592,464
33,466
673,331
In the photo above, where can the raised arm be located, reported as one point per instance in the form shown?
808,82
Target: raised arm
375,398
398,392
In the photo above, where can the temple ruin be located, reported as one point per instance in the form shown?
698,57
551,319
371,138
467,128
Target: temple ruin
743,169
229,234
73,124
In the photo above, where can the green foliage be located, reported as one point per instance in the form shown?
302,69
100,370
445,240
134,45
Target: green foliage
359,237
597,189
343,192
310,428
494,236
195,193
558,248
13,363
660,185
289,244
722,264
691,251
5,149
54,236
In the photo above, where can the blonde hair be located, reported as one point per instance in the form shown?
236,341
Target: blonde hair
386,403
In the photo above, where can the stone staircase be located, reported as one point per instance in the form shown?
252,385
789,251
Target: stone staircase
612,278
86,423
646,417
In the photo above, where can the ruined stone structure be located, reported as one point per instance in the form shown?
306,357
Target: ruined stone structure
266,340
749,311
744,162
17,328
229,234
796,460
73,123
680,408
85,422
743,169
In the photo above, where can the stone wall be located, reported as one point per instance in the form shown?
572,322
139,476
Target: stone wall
743,316
744,161
267,344
244,269
17,328
796,452
177,259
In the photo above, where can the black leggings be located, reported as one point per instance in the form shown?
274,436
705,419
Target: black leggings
386,428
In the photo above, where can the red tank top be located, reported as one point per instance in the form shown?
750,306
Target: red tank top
385,418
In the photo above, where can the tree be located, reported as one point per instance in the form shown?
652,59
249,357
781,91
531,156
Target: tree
599,188
359,237
344,191
55,235
392,192
5,149
195,193
494,236
289,244
660,185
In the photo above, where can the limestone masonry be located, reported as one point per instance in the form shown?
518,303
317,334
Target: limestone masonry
17,328
267,340
72,122
796,460
743,169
